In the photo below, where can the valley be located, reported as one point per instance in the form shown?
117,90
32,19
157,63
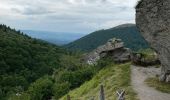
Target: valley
91,50
58,38
40,70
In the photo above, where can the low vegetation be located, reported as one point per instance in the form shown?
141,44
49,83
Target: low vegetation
113,77
161,86
145,57
148,54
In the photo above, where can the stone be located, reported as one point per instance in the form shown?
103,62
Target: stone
140,59
168,78
153,21
162,78
113,48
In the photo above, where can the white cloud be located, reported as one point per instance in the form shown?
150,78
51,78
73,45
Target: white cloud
66,15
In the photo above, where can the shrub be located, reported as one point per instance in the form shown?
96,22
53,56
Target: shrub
41,89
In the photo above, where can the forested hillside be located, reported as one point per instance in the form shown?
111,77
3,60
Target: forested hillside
23,60
32,69
128,33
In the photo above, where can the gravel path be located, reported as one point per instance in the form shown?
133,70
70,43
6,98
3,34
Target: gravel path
138,76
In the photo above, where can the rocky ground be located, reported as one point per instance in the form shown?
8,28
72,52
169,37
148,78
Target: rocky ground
138,76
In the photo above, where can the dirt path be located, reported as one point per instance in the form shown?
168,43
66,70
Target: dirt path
139,74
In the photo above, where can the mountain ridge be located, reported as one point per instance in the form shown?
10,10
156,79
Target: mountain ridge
127,32
58,38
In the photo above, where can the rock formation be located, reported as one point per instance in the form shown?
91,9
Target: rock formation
153,21
142,60
113,48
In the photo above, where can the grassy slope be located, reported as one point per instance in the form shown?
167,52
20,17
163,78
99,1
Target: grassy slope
161,86
148,54
113,77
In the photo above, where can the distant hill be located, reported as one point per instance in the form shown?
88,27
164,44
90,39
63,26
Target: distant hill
59,38
127,32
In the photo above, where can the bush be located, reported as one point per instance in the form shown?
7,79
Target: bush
41,89
60,89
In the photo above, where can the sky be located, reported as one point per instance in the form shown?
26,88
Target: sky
74,16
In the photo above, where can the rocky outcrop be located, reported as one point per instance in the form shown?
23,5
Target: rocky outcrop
142,60
153,21
113,48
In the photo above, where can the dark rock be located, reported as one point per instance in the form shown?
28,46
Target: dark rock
139,59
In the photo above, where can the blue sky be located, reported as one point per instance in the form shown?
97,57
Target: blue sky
76,16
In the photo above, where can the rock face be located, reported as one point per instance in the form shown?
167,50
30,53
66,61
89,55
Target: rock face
153,21
113,48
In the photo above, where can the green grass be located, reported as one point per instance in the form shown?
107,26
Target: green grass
148,54
161,86
113,77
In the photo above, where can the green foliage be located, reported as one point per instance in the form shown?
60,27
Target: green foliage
23,60
130,36
41,89
32,69
148,54
69,62
74,73
60,89
146,51
23,96
113,77
161,86
146,57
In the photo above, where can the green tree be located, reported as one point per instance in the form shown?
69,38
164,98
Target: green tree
41,89
60,89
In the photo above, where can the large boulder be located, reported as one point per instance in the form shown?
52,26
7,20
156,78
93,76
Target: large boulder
113,48
153,21
143,59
